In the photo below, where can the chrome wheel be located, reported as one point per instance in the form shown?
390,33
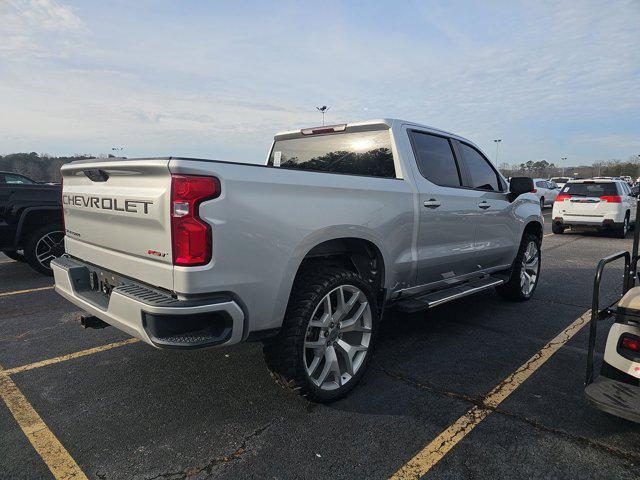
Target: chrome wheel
49,246
530,268
625,226
337,337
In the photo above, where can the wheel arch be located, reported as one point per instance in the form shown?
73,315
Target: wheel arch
534,227
33,218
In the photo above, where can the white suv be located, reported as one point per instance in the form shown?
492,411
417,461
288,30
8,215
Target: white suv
603,203
546,191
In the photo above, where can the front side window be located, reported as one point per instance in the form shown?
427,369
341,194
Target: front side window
17,179
355,153
435,159
483,176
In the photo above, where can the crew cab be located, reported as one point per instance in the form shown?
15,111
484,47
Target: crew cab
601,203
303,252
30,221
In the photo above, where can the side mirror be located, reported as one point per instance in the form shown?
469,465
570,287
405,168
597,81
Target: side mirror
520,185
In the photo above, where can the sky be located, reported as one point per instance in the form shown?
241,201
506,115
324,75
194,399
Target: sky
218,79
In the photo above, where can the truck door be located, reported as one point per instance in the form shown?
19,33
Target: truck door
497,231
447,211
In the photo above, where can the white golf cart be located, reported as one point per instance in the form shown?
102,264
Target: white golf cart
617,389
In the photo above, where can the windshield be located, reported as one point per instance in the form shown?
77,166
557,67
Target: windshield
560,179
356,153
595,189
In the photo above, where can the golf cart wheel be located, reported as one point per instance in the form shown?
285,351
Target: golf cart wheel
14,255
327,336
557,228
525,272
43,245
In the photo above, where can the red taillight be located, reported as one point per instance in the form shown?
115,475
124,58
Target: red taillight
190,235
535,190
562,197
629,343
611,198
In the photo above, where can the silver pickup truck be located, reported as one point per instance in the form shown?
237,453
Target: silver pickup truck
304,252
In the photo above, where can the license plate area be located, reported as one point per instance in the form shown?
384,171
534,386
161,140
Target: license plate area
103,282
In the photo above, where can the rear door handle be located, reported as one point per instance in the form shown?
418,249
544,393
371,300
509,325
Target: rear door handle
432,203
483,205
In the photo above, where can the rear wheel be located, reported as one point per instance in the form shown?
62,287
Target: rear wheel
43,245
542,203
14,255
557,228
525,272
326,339
622,230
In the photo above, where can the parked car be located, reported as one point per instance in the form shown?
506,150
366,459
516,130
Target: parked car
560,181
546,191
303,253
605,204
30,221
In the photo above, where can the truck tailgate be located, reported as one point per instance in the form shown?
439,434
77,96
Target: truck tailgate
116,215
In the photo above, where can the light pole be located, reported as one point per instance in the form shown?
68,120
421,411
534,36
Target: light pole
563,159
322,110
497,141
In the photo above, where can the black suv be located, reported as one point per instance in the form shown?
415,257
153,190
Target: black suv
30,220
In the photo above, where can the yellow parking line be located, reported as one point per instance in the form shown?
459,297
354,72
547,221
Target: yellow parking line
52,452
29,290
430,455
7,261
547,235
70,356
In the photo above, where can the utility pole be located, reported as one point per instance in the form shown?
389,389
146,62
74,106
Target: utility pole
497,142
563,159
322,110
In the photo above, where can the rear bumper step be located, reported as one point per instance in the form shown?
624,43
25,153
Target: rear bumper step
617,398
146,313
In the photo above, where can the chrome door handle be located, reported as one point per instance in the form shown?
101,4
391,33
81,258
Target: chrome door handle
483,205
432,203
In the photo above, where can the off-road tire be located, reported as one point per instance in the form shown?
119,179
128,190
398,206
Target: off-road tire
284,353
14,255
512,289
30,253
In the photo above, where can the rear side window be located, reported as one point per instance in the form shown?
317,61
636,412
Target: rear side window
354,153
483,176
541,184
594,189
435,159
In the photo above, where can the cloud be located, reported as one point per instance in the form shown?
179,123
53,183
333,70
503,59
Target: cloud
542,76
36,28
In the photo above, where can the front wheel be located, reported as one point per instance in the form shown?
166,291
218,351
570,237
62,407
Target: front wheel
327,336
525,272
43,245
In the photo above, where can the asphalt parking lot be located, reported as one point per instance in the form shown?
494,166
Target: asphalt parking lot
481,388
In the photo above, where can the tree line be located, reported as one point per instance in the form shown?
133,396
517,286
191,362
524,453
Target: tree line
43,168
544,169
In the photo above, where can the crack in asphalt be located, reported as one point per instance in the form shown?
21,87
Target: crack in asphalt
482,409
208,468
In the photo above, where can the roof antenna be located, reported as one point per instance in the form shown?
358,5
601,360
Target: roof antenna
322,110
